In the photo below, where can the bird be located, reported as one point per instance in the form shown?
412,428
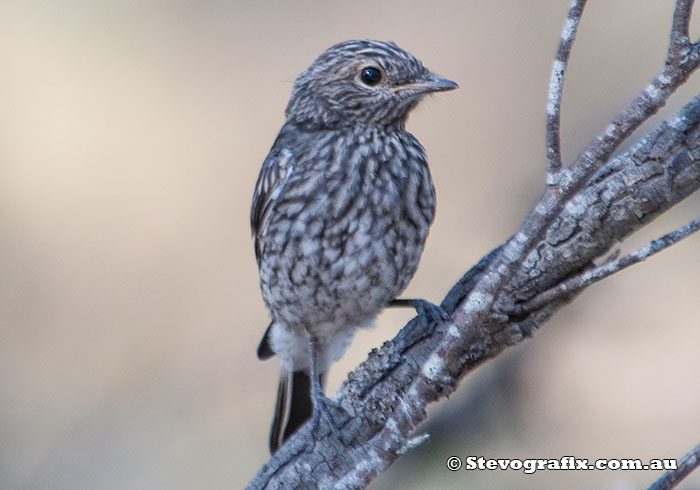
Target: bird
340,214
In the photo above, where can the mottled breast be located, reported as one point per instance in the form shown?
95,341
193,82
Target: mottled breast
340,218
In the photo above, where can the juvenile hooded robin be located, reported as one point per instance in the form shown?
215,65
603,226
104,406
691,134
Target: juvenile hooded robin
340,214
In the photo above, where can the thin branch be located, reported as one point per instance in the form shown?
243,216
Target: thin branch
581,281
685,467
556,83
598,152
682,59
680,32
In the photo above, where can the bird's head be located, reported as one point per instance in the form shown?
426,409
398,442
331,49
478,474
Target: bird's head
361,82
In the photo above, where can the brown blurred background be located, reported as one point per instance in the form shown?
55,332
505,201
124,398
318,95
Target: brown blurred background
131,134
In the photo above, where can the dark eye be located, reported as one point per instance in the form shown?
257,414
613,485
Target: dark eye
371,75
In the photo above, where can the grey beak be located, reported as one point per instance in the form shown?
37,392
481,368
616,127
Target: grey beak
438,84
429,83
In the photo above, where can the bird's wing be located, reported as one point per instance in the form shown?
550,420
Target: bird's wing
273,178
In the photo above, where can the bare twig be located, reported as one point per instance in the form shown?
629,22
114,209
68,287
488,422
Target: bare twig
680,32
682,59
556,83
642,107
686,466
581,281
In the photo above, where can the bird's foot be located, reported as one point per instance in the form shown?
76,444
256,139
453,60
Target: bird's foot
430,312
322,410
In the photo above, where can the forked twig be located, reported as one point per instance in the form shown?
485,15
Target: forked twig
682,59
577,283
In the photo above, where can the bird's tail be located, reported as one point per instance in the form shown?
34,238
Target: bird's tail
293,408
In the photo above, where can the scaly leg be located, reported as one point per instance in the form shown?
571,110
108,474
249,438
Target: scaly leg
320,401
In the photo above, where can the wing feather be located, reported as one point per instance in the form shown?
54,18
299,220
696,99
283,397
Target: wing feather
273,178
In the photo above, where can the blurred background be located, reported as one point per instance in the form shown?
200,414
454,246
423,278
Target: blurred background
131,135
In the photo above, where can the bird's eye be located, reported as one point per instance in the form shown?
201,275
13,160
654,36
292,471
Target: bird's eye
371,75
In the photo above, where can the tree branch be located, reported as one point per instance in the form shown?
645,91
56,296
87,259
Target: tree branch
642,107
600,202
556,84
565,289
680,32
670,479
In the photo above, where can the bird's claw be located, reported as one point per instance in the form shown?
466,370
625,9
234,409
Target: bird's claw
322,409
431,312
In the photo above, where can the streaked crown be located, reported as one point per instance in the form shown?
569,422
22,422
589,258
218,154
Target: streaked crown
370,82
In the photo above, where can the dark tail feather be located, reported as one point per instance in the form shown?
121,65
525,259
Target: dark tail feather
293,408
264,348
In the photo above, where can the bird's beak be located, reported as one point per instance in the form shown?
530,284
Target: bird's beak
430,83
